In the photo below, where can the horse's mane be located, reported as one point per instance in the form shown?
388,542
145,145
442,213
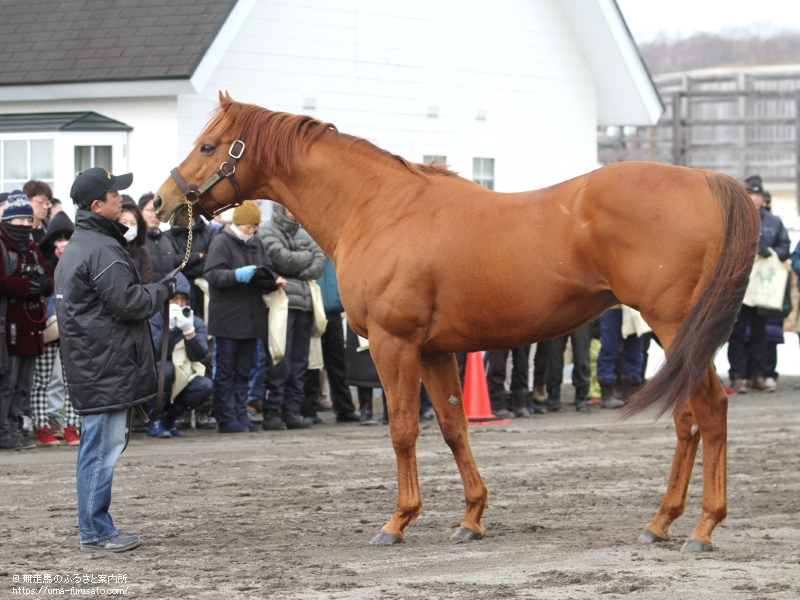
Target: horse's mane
278,138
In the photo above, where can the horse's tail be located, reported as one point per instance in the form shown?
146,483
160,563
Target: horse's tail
710,322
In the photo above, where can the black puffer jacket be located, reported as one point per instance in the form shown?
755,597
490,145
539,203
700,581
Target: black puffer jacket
103,311
163,257
236,310
295,255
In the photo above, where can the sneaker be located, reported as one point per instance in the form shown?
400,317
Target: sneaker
554,405
503,413
45,437
174,432
760,384
522,413
612,402
17,443
315,420
71,435
156,430
594,401
428,416
738,386
121,542
770,384
582,405
55,427
205,421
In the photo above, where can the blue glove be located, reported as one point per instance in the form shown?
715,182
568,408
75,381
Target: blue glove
245,274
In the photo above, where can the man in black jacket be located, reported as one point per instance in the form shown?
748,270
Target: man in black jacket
103,311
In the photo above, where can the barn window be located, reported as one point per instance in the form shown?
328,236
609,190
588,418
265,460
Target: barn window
483,172
435,159
22,160
87,157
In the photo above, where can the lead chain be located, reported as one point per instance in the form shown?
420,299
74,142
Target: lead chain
189,238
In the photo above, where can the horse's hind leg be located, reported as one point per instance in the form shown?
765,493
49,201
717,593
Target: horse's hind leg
704,416
397,362
710,412
674,502
440,376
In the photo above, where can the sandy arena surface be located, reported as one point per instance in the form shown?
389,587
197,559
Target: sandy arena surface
290,514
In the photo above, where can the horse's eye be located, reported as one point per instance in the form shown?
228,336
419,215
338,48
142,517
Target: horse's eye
207,149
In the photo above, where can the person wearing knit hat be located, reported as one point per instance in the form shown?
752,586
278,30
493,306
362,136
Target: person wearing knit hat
239,273
25,312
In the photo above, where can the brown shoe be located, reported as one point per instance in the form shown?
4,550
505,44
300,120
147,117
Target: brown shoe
758,383
539,393
738,386
55,427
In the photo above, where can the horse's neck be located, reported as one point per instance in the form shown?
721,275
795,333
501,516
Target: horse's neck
330,183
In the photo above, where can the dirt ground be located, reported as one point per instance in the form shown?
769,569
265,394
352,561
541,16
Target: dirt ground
290,514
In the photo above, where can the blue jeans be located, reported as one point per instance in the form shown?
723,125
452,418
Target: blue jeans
610,340
102,442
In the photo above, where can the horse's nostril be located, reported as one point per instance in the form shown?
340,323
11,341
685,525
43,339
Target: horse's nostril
157,203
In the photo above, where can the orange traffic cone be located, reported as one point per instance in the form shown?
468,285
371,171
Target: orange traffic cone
476,393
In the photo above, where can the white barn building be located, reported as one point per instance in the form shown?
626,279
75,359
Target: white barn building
509,93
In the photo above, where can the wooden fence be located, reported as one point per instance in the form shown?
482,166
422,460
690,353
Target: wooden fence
740,124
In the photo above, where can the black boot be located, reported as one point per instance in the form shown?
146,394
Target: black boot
582,404
555,405
293,420
365,406
273,421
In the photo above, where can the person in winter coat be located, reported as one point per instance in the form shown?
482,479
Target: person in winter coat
163,257
202,234
773,236
362,374
103,310
237,315
297,258
333,355
136,236
47,420
190,330
24,282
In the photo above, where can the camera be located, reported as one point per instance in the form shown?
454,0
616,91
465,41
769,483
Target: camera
186,311
32,271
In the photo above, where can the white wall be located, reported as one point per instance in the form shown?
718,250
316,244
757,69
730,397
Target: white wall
375,66
151,147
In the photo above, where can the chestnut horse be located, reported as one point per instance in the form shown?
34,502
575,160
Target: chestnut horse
430,264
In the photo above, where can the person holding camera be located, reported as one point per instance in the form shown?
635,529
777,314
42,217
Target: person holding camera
103,310
239,273
187,346
24,281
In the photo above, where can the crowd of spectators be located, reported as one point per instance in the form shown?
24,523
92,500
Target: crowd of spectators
220,372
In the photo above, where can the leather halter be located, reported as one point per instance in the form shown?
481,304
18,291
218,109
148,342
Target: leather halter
227,171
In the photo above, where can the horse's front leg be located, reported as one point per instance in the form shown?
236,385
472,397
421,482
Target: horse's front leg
398,365
440,376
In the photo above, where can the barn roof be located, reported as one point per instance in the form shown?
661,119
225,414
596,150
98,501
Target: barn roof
82,41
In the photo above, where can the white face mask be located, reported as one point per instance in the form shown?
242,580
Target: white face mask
131,234
245,238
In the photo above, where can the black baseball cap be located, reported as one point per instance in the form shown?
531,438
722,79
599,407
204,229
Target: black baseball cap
93,184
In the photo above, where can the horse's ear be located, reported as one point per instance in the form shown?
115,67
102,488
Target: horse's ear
225,99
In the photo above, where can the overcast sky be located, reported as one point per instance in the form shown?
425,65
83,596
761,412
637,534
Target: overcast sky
684,17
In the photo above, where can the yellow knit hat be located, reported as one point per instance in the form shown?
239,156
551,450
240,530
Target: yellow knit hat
247,214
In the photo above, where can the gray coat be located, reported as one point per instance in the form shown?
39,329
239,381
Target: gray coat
295,256
103,310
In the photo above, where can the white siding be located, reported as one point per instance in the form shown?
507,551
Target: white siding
375,67
151,146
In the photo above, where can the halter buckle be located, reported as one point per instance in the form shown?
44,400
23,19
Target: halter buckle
233,151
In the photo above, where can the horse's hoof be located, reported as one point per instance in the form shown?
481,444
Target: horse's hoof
464,534
648,537
385,539
695,545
